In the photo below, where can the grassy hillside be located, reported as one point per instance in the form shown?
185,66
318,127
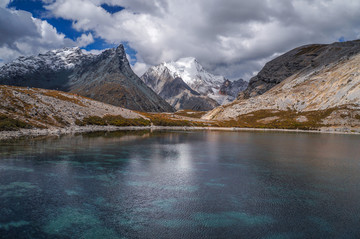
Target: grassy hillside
39,108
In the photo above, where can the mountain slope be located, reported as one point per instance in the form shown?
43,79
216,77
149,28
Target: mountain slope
43,108
106,77
300,60
334,87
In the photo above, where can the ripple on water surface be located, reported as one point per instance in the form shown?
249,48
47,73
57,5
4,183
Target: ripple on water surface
181,185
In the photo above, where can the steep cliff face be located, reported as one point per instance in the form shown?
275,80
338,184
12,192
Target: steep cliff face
109,79
301,60
333,85
106,77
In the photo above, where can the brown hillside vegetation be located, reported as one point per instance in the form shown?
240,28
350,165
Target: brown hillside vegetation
22,108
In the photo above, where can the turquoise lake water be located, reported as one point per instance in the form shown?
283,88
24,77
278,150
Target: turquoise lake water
181,185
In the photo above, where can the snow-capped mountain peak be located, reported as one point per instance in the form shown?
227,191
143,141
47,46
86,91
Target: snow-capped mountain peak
193,74
65,58
106,77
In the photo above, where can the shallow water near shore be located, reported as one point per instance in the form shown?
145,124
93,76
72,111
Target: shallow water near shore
181,185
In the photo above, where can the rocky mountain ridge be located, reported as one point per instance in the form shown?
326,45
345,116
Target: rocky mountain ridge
106,77
301,60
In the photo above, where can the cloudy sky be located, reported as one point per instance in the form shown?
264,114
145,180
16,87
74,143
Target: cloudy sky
234,38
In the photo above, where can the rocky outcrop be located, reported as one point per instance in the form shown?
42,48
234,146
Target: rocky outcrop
107,77
334,85
302,60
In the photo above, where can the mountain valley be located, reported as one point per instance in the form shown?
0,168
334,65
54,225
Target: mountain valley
313,87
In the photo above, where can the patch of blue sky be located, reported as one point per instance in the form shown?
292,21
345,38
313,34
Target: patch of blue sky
65,26
111,9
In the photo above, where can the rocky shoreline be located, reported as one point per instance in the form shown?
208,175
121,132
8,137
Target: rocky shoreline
33,133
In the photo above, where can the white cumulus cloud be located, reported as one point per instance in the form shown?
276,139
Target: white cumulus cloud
84,40
22,34
230,37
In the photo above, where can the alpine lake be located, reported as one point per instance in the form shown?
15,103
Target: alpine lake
181,184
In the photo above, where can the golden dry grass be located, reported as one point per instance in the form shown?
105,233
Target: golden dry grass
114,120
60,96
281,119
191,113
